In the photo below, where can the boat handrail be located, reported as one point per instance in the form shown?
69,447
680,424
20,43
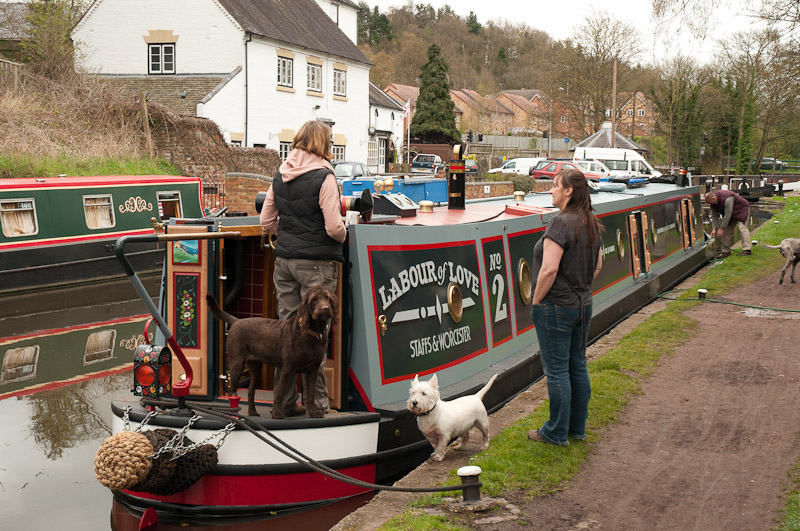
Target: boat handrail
179,389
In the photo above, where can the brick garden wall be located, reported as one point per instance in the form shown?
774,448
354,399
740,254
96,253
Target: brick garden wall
477,190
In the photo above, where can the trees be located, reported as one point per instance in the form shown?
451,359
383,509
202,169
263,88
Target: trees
47,45
434,120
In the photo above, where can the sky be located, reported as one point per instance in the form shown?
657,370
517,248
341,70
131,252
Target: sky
558,18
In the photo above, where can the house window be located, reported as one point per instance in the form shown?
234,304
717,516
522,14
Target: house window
641,112
19,364
283,149
161,58
314,77
18,218
99,211
338,152
236,143
563,119
259,145
372,152
169,205
629,112
285,66
458,118
335,12
99,346
339,82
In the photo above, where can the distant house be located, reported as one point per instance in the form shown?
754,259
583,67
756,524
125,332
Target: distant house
385,130
12,29
258,68
636,116
406,93
602,139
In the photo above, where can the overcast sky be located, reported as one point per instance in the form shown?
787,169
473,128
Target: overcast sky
558,18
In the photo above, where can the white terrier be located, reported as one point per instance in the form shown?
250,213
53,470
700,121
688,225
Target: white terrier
441,421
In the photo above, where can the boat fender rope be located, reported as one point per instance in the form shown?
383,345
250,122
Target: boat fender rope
126,461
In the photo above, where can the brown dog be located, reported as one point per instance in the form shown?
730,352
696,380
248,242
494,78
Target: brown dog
297,345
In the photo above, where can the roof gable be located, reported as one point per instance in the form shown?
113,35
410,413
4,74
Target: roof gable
298,22
379,98
403,92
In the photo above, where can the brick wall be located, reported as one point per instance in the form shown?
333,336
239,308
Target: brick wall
241,191
477,190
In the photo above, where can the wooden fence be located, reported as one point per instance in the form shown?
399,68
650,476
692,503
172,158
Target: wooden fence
10,73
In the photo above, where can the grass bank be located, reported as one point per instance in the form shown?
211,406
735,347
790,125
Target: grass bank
511,463
23,165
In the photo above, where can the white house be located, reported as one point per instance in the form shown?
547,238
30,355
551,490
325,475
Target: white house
258,68
385,130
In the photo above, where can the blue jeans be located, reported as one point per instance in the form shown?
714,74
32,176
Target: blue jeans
564,361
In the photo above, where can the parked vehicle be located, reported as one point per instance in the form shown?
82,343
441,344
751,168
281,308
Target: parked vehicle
549,168
426,163
471,167
519,165
620,162
771,164
345,171
594,167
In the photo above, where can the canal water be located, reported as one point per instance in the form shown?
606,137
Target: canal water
65,354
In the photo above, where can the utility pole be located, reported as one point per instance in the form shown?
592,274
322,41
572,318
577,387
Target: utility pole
614,106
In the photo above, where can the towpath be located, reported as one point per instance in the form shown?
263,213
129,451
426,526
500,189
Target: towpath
706,445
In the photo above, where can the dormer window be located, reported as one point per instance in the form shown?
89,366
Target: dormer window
161,58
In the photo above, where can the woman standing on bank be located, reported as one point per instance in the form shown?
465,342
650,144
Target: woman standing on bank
566,260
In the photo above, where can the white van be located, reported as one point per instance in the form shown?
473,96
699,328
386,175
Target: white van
520,165
620,162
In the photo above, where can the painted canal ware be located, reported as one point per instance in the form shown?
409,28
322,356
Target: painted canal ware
61,231
445,292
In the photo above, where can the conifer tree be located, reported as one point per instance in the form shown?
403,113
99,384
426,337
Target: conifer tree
434,120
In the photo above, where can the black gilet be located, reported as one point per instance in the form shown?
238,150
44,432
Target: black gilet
301,224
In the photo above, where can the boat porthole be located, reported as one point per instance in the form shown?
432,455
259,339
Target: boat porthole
620,246
454,303
653,233
525,285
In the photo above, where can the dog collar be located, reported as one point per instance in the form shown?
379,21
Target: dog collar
428,412
313,334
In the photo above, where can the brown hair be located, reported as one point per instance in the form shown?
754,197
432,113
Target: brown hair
314,137
581,203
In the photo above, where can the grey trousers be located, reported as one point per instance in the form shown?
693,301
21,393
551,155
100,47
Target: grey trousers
293,277
727,235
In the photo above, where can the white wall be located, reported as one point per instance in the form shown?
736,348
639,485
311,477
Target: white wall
348,18
110,37
272,111
226,107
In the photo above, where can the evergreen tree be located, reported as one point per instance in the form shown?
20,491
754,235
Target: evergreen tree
434,121
473,24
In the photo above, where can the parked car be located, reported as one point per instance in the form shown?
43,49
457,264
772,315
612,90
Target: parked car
772,164
549,168
519,165
426,163
345,171
594,168
620,162
471,168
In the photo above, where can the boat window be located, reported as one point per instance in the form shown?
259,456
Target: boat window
169,205
19,364
99,346
99,211
18,217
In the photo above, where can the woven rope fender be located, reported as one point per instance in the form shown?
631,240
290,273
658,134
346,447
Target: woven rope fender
123,460
163,466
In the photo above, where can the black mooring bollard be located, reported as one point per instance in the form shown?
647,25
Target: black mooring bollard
780,188
470,479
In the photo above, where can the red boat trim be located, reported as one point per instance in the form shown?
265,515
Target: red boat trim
83,182
54,331
360,389
72,239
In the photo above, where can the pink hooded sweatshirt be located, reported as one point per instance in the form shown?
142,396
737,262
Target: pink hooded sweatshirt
296,164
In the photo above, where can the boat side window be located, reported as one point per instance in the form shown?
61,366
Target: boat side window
19,364
99,211
100,346
18,217
169,205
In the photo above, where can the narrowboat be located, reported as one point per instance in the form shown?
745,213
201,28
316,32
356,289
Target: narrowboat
60,231
442,290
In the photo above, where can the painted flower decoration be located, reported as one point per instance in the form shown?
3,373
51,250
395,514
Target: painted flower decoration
187,313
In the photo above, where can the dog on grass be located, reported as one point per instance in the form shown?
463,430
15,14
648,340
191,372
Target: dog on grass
790,249
297,345
440,421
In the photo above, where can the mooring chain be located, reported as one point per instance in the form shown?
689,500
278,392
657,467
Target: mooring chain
181,450
144,422
126,419
177,439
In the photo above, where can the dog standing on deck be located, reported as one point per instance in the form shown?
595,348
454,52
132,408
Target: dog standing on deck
297,345
441,421
790,249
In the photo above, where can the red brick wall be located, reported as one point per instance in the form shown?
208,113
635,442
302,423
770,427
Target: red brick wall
241,191
477,190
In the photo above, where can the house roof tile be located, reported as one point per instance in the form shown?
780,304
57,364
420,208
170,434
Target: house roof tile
378,97
403,92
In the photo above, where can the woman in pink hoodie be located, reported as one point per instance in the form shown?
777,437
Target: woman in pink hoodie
303,207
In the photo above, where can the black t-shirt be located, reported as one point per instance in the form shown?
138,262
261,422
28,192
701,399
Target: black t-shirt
578,262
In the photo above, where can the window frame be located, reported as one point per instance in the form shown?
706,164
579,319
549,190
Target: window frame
338,148
99,355
32,209
285,69
283,149
317,87
340,82
161,200
110,206
30,353
640,112
161,62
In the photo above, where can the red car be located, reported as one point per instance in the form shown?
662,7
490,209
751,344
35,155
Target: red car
547,169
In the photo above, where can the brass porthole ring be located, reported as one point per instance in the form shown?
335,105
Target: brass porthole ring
620,246
454,303
653,233
525,284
